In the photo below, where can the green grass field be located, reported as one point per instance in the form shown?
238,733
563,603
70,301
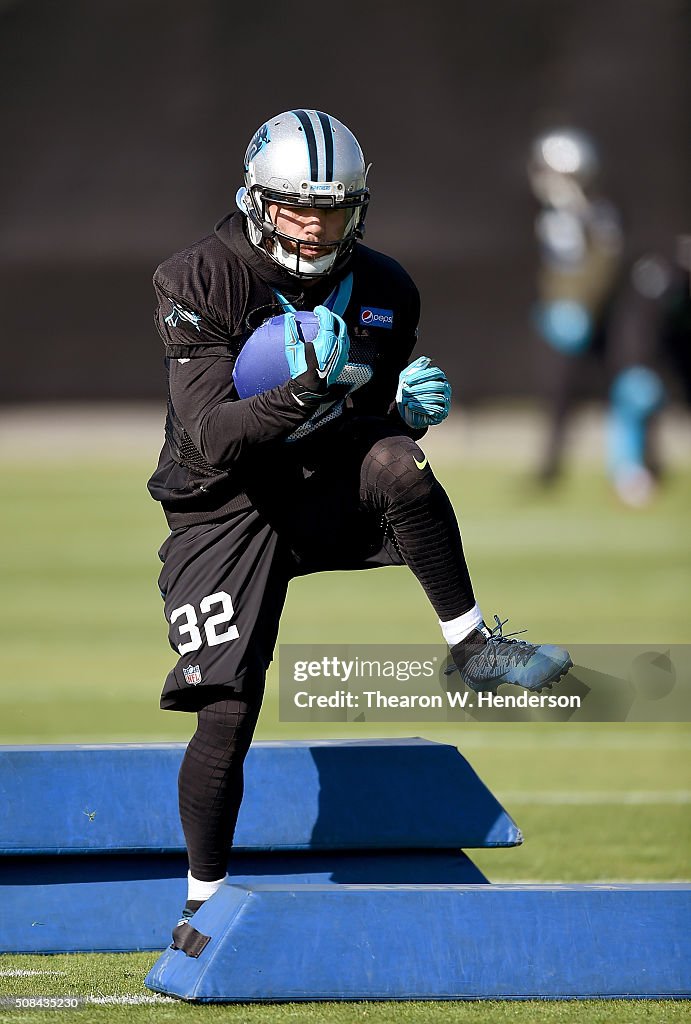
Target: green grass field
85,652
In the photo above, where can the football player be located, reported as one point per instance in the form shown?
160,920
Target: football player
627,310
321,471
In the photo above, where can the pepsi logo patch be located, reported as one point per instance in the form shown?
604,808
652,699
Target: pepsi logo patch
370,316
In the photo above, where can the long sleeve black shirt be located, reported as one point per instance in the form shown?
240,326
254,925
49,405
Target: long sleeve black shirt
211,297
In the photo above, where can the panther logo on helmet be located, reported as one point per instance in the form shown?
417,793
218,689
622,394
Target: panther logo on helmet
260,139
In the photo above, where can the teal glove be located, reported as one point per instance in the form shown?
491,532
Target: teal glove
317,364
424,394
565,325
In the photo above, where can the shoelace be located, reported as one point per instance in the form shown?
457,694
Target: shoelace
520,650
500,623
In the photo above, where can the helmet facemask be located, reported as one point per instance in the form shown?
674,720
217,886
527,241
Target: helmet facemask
288,250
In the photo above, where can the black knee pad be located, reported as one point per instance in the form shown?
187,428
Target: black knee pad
226,726
395,472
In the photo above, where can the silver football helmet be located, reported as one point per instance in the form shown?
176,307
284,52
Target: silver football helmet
563,163
303,158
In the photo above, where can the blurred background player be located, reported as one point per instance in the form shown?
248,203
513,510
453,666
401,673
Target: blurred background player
580,244
648,344
594,299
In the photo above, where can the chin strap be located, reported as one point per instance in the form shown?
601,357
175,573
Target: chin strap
289,260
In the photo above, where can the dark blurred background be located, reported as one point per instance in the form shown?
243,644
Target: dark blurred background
124,124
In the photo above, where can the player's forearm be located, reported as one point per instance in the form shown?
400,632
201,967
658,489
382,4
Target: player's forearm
230,430
378,398
396,419
224,429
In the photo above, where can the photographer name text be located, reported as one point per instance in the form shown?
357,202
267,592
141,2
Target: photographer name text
424,701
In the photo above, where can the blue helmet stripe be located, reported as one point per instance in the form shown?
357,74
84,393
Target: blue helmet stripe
311,139
328,144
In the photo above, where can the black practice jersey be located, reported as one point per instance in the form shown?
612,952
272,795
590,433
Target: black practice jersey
211,297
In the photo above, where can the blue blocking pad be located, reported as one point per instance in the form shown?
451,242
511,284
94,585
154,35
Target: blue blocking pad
277,943
112,903
96,829
323,795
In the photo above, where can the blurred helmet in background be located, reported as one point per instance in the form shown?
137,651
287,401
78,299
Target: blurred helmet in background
563,163
302,159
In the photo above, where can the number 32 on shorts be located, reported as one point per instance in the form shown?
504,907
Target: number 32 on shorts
190,627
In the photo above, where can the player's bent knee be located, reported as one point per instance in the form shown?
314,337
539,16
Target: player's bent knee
395,470
637,391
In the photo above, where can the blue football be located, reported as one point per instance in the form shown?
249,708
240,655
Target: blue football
262,363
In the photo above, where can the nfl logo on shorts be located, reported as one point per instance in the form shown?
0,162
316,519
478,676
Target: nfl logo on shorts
192,674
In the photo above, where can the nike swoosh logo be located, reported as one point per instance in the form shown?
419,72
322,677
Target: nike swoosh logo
330,363
420,465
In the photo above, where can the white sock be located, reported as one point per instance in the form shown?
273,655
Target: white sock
458,629
198,890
